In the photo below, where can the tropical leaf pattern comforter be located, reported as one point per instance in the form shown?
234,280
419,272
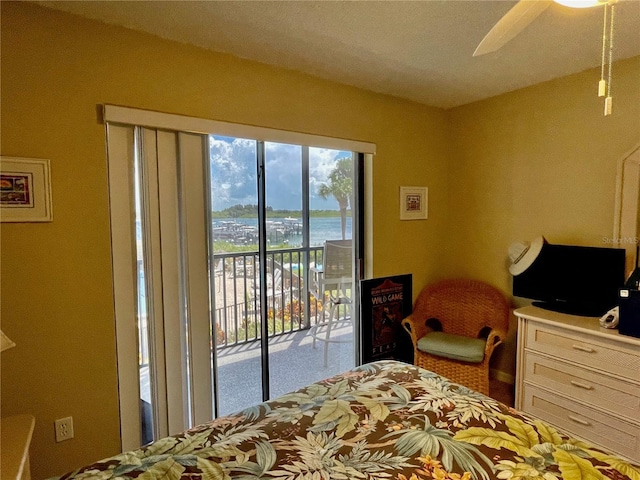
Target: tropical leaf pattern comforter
384,420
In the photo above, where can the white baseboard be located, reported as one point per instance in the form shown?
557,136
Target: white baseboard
502,376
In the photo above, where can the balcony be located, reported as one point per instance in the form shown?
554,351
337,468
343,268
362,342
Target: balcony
291,313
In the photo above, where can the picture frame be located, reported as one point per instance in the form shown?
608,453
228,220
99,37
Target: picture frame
414,203
25,190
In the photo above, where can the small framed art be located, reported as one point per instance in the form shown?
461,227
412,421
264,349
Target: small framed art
25,190
413,203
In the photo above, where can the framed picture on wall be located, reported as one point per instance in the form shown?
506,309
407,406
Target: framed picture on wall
25,190
413,203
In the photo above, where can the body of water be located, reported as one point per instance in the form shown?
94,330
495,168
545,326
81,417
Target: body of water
281,230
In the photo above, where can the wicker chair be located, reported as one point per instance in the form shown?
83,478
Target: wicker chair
463,310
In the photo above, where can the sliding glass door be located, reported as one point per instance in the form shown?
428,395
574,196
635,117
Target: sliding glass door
268,240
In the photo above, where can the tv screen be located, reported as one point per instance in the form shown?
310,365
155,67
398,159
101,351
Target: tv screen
573,279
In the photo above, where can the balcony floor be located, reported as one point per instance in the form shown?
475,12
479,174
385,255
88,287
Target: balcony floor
293,363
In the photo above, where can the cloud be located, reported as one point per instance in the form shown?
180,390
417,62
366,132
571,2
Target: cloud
233,174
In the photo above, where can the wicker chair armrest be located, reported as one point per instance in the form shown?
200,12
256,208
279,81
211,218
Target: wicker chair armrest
415,327
494,339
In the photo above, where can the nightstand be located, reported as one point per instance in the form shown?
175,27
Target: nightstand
16,438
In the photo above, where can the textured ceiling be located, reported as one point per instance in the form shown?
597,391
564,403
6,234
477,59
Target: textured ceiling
419,50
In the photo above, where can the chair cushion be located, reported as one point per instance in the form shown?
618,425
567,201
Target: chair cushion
455,347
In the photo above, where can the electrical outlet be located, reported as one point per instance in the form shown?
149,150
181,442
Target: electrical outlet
64,429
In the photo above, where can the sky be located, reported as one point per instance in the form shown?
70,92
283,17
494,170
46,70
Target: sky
233,174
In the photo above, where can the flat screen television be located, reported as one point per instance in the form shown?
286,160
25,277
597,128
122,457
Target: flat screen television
573,279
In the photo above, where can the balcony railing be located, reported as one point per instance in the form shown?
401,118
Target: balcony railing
237,294
236,302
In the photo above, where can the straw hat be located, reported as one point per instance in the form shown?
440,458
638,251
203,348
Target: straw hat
523,254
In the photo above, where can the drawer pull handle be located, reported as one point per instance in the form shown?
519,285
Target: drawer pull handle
579,420
581,385
583,349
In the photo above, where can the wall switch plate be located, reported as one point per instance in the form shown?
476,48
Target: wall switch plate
64,429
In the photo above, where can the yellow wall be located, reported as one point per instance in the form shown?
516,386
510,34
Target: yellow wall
540,160
56,277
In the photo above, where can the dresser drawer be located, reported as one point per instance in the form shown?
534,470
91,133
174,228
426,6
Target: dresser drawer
607,393
588,350
596,426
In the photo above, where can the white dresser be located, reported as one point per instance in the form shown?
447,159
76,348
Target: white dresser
580,377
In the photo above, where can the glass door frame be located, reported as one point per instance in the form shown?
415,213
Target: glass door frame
357,238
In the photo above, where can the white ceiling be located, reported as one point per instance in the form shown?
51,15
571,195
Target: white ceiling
418,50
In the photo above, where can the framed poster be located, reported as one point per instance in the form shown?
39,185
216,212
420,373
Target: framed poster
25,190
385,302
413,203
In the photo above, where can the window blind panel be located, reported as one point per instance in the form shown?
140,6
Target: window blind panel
172,277
153,279
195,264
120,144
169,121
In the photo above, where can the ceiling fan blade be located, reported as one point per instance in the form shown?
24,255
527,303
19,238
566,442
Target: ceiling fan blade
514,21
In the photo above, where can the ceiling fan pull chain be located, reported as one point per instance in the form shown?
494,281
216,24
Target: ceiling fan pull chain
608,101
602,84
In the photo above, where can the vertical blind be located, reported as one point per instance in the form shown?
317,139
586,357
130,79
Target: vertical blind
165,157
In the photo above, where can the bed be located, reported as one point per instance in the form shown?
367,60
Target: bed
383,420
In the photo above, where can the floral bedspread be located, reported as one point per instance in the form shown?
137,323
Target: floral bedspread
384,420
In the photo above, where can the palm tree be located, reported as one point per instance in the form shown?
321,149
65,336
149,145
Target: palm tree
341,187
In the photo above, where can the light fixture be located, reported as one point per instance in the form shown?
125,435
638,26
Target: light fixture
5,342
580,3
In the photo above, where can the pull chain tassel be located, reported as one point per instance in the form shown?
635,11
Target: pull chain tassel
602,84
608,101
602,88
608,106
